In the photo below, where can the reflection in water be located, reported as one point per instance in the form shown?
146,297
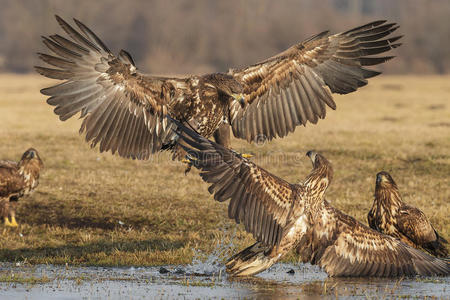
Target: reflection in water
307,282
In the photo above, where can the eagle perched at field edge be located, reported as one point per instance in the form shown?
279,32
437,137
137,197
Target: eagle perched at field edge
18,179
124,110
390,215
284,216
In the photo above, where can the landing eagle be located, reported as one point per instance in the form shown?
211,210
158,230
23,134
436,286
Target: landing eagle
124,110
390,215
284,216
17,179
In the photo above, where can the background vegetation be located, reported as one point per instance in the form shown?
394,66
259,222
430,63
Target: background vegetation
184,36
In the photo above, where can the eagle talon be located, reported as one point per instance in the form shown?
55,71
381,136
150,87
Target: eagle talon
7,222
188,168
13,222
188,165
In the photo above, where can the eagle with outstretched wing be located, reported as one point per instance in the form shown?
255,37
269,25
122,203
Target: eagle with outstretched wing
18,179
124,110
391,216
284,216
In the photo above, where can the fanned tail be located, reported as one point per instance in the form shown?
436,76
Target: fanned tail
251,260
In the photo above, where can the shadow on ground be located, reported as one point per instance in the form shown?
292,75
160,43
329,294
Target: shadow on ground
77,252
53,213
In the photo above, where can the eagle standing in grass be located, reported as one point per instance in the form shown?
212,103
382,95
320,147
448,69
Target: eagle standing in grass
284,216
390,215
124,110
17,179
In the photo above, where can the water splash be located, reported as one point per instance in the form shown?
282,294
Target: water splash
210,264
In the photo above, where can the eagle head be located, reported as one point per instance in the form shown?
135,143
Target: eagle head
318,160
235,91
312,155
386,190
31,156
322,172
229,87
384,179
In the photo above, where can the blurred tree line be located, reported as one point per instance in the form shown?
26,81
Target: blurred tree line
195,36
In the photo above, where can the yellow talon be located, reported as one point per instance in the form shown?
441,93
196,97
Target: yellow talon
247,155
7,223
186,161
189,165
13,222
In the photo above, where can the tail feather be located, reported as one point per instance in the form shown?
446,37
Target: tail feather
441,239
250,261
437,247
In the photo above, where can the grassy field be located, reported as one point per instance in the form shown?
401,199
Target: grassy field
99,209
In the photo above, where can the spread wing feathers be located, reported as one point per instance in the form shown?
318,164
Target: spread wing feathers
262,201
412,223
353,249
123,110
295,86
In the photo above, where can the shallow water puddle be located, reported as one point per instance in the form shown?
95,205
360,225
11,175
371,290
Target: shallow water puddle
201,280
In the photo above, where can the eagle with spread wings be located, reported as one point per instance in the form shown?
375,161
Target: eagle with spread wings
124,110
284,216
18,179
390,215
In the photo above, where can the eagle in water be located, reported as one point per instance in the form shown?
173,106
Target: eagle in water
284,216
124,110
390,215
18,179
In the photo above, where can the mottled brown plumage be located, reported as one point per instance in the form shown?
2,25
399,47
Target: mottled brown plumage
124,110
284,216
391,216
17,180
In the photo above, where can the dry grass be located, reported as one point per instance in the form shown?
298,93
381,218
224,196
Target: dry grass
99,209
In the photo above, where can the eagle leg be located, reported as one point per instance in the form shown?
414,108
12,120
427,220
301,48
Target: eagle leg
12,211
188,165
13,222
222,136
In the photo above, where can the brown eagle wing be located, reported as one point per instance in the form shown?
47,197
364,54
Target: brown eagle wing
413,224
295,86
8,164
123,110
371,218
259,199
10,180
349,248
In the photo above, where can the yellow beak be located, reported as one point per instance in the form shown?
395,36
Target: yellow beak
239,98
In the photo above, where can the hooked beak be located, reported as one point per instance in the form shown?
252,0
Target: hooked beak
312,155
239,98
379,178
